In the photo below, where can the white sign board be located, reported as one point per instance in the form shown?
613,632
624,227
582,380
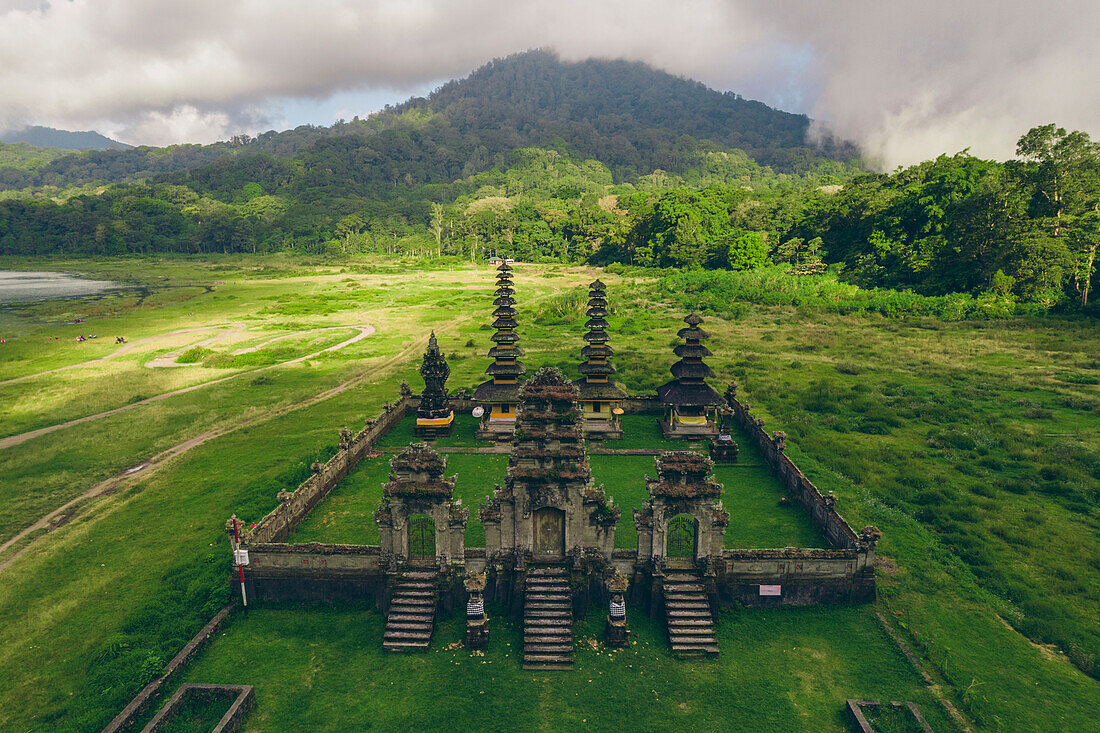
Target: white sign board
771,590
240,557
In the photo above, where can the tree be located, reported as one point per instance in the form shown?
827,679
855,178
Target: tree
1062,171
436,225
346,227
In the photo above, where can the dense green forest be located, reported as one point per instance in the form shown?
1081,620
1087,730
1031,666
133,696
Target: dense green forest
600,161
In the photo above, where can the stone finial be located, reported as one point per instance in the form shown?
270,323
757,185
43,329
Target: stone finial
345,438
760,423
284,496
406,390
617,583
829,499
317,467
731,391
869,537
474,582
779,438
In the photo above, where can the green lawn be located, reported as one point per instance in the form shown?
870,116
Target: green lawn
346,515
751,492
323,669
973,447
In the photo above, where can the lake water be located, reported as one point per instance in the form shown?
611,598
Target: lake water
21,287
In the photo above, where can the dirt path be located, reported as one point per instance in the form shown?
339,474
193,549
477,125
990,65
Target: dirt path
13,440
60,516
128,346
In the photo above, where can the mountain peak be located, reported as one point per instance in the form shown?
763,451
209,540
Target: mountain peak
49,137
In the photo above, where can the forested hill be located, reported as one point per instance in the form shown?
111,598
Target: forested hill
632,118
625,114
49,137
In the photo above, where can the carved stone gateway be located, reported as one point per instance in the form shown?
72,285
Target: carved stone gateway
418,521
548,507
684,516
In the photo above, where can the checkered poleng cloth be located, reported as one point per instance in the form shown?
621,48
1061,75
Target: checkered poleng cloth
618,610
475,609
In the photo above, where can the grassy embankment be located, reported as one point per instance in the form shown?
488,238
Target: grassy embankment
96,606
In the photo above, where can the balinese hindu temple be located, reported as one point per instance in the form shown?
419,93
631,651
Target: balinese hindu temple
541,545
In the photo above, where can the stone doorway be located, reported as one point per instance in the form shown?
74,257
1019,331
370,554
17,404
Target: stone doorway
681,537
549,533
421,538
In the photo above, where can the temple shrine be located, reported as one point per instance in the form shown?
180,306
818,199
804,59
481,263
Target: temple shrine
691,405
434,417
601,399
499,396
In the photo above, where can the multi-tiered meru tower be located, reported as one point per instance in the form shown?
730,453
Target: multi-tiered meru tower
499,396
691,405
434,416
601,399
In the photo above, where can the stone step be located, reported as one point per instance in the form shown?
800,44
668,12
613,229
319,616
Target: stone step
414,601
561,590
410,618
697,652
682,639
683,588
559,605
562,621
543,647
421,575
547,633
401,646
542,660
408,626
416,585
553,570
421,635
699,606
414,593
701,621
547,613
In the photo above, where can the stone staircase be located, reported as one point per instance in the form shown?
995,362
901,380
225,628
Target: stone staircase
411,620
547,620
687,611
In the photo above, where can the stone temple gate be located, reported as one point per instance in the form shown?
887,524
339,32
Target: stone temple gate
684,517
418,521
548,507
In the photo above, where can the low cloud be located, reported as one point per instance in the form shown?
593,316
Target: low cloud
907,81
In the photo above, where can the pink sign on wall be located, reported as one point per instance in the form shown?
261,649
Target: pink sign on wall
771,590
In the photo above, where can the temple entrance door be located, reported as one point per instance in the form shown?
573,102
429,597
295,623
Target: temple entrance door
681,537
549,532
421,539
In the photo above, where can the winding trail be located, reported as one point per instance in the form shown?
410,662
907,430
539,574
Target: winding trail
58,517
128,346
13,440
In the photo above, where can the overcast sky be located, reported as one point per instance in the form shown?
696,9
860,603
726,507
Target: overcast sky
907,80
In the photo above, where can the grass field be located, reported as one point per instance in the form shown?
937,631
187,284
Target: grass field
779,671
973,446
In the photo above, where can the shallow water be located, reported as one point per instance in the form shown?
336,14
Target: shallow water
21,287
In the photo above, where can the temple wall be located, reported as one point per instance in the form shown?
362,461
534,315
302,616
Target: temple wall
279,571
827,520
296,505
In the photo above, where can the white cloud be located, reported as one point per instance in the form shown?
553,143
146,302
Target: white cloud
907,80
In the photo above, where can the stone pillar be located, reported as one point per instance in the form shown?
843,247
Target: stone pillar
477,620
617,631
